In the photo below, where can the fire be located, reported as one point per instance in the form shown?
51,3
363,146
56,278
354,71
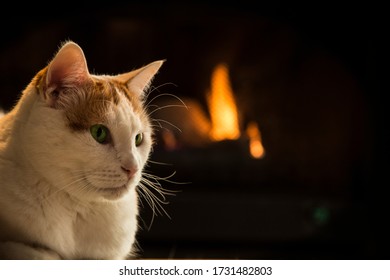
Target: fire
222,106
255,146
224,118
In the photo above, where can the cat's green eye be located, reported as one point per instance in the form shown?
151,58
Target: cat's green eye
100,133
138,139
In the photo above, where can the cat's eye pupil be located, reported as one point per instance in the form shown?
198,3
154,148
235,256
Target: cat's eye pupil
100,133
138,139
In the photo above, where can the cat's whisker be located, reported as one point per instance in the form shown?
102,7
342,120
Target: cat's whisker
76,177
169,95
166,179
65,187
150,199
152,105
155,201
143,193
147,197
80,189
158,162
159,124
167,122
156,88
167,106
156,188
153,88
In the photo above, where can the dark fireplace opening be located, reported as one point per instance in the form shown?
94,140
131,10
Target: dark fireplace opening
303,197
297,173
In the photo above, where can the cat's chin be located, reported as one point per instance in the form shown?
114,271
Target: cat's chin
114,193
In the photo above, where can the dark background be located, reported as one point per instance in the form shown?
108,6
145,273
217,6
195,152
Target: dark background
307,73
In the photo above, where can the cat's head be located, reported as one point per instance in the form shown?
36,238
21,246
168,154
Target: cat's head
89,135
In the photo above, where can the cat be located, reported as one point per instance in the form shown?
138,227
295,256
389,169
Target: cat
72,153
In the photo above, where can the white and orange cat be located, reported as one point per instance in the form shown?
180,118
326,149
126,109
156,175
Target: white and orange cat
72,152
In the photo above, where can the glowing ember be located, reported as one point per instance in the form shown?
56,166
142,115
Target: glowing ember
222,106
255,146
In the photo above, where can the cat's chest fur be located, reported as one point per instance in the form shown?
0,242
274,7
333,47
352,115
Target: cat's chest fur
74,229
95,231
99,230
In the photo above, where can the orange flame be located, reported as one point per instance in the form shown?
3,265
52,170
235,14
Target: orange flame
223,109
256,148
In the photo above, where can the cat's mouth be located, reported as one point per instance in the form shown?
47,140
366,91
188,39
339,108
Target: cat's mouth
114,191
111,192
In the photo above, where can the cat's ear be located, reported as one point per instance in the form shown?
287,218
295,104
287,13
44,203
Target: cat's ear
67,69
138,81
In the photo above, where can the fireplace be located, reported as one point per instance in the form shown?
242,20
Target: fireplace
266,125
270,134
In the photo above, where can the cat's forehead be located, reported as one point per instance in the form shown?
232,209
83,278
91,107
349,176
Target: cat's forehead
114,89
103,101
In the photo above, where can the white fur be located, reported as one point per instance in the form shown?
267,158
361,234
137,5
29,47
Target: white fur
50,205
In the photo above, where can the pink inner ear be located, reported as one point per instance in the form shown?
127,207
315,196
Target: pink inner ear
139,82
68,68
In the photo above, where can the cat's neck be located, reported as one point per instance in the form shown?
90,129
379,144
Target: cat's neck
12,124
13,138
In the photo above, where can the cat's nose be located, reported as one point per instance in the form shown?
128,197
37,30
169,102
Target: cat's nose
130,170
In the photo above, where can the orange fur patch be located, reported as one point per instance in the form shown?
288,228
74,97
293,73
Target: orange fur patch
88,104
